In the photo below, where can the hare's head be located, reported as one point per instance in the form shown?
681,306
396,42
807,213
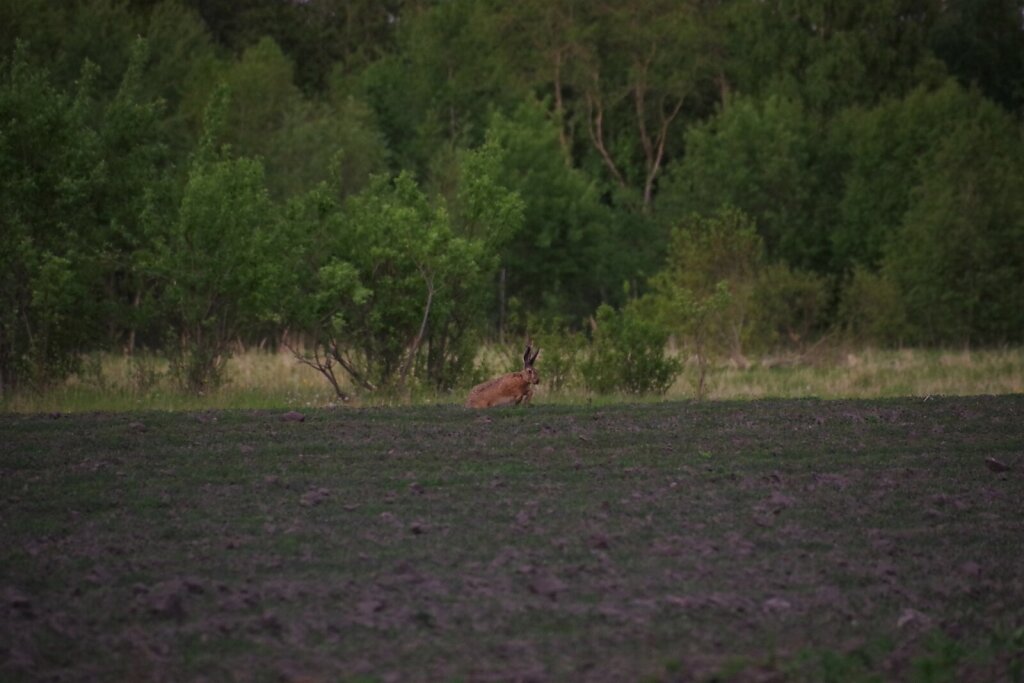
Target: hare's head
529,372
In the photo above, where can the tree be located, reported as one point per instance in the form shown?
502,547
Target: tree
484,209
627,353
220,263
36,24
52,170
264,99
710,278
791,306
872,309
138,179
958,256
399,275
566,255
436,92
540,45
180,71
764,157
982,44
101,32
718,293
374,295
888,148
829,55
639,66
300,141
317,36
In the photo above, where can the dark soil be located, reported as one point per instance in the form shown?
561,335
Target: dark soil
763,541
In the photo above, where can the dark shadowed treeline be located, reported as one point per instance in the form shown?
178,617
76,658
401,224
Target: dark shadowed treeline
385,185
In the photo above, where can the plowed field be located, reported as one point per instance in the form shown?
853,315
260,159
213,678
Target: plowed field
756,541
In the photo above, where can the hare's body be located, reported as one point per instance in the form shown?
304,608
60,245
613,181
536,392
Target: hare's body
511,389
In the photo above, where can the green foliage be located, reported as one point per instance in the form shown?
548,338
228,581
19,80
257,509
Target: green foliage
832,56
405,251
36,24
346,136
762,157
318,36
569,250
958,258
482,206
933,199
485,214
706,292
52,170
890,150
981,43
398,274
872,310
791,306
719,296
220,264
628,354
557,147
437,91
138,184
181,72
263,95
562,349
638,65
101,32
301,142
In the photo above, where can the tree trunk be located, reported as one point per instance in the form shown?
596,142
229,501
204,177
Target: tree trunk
501,306
418,340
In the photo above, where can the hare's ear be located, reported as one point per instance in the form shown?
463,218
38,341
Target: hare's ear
526,356
534,358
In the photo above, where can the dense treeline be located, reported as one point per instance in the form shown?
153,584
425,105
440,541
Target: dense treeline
389,183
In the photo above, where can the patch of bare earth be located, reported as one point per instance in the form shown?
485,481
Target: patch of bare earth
772,540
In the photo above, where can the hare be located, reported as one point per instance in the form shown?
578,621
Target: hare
513,388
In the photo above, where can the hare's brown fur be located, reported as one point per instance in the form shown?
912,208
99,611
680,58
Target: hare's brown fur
511,389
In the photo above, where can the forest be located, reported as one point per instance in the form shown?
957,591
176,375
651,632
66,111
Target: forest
384,187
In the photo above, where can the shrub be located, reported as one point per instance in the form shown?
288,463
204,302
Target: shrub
627,353
562,349
789,305
871,309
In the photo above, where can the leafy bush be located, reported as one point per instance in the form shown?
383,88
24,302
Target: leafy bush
561,350
790,305
705,293
871,309
627,353
398,284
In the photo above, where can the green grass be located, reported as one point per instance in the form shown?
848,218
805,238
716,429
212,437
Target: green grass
800,540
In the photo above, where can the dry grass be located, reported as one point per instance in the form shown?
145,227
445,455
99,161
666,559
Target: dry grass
111,382
258,380
874,373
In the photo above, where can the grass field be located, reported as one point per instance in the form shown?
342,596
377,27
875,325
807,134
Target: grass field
770,540
272,380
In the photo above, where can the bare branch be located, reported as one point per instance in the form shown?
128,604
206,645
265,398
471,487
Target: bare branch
595,121
654,166
324,365
418,340
349,367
